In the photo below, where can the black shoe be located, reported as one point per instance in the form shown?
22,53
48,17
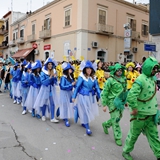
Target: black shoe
0,91
158,158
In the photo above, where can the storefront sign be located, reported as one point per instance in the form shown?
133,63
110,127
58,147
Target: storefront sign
47,47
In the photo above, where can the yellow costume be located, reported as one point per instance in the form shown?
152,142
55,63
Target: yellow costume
131,75
59,71
77,71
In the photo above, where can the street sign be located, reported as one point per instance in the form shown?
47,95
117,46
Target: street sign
150,47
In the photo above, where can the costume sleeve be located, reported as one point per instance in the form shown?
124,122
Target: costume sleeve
23,79
105,92
97,89
78,85
45,80
63,85
133,95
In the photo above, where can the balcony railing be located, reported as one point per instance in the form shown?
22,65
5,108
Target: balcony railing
20,40
45,34
104,28
31,38
135,35
4,45
12,43
3,31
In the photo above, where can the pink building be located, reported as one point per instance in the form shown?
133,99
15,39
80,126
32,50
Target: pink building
93,29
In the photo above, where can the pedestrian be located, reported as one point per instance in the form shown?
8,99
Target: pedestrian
144,110
47,98
66,85
35,84
86,90
2,73
114,96
25,82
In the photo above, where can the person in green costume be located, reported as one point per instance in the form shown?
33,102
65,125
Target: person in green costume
114,96
144,110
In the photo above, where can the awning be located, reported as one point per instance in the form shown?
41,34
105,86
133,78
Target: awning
23,53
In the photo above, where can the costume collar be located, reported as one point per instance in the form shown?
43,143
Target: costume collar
86,79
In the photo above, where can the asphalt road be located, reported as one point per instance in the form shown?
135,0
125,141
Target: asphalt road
25,138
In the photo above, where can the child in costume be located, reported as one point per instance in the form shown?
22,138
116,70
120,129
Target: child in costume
131,74
144,110
47,97
35,84
100,74
114,96
66,85
85,91
25,85
15,79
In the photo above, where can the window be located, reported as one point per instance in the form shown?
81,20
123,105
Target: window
47,24
67,17
102,16
21,33
14,36
7,24
144,30
132,23
101,55
33,29
46,55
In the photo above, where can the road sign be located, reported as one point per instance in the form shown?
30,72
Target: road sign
150,47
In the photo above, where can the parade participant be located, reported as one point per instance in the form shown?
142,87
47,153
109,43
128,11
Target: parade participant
59,70
131,74
139,68
2,73
35,84
85,91
114,96
47,97
25,82
7,75
15,73
144,110
100,74
19,85
66,85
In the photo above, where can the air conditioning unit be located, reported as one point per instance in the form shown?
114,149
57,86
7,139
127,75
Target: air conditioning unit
135,49
36,51
95,44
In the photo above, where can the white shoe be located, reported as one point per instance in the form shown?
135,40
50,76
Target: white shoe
24,112
43,118
14,101
54,120
18,102
29,111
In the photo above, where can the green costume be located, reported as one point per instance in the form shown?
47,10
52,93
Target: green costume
114,96
142,97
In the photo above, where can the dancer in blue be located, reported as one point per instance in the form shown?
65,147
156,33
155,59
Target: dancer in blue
47,98
15,79
35,84
85,91
25,85
66,85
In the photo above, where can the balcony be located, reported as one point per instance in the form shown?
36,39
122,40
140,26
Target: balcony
104,29
12,43
45,34
20,40
135,35
4,45
3,31
31,38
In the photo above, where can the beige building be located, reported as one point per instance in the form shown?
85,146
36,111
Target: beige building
110,30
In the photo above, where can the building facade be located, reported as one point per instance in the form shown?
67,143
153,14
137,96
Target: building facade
154,26
93,29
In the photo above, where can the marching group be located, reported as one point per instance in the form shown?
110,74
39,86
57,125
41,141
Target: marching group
83,87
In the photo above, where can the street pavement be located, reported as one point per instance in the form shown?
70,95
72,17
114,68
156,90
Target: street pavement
25,138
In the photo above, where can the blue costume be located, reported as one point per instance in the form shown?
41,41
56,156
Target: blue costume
25,85
85,91
35,84
47,98
66,86
15,79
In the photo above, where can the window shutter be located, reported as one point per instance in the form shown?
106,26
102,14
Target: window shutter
147,28
134,25
33,29
49,23
142,30
45,24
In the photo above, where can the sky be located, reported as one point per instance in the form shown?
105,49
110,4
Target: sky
24,5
